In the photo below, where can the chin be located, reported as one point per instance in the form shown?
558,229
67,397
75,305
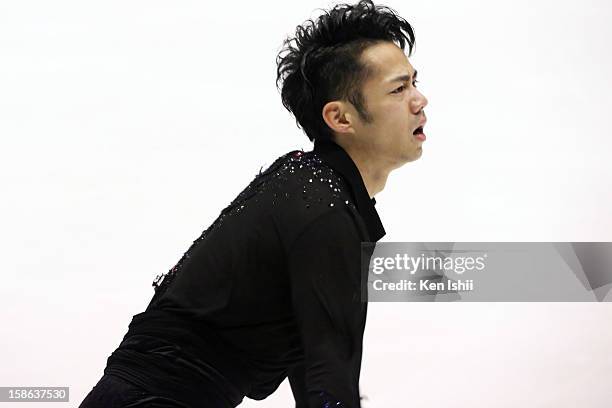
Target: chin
409,157
414,155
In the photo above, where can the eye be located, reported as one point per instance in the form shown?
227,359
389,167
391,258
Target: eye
401,88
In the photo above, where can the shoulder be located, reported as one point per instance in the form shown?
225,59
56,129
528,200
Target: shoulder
310,196
298,191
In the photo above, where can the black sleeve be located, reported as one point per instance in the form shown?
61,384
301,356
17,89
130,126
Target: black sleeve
324,266
297,381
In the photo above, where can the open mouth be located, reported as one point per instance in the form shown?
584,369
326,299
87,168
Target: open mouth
419,134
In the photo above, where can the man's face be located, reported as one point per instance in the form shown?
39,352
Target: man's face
395,106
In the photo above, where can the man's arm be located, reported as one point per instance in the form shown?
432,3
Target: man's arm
324,266
297,381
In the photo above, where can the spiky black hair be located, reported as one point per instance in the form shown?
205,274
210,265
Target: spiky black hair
322,63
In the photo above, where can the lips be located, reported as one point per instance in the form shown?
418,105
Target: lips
418,132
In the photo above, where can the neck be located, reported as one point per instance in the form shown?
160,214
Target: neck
373,173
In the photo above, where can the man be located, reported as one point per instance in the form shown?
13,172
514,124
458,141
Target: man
272,289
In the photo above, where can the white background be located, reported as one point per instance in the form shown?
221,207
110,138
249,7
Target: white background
126,126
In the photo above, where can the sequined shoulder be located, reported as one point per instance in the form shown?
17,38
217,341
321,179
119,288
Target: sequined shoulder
315,186
294,190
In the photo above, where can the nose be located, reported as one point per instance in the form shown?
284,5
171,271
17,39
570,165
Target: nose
418,101
421,101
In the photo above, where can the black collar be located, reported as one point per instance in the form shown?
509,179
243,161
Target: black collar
335,156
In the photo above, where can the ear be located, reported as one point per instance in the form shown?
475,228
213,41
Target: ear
338,117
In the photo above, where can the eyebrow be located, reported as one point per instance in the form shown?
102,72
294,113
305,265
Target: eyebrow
403,77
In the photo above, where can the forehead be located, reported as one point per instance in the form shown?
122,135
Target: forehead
387,61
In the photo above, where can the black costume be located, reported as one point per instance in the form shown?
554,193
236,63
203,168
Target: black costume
271,289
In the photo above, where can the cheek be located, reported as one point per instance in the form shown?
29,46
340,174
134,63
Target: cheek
397,114
398,124
392,123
